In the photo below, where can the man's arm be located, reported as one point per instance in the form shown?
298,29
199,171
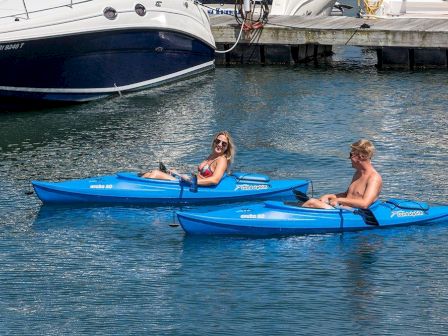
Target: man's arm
329,197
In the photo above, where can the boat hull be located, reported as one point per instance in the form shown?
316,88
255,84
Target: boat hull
90,66
77,53
127,187
276,218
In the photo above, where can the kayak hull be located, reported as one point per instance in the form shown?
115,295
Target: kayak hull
277,218
128,187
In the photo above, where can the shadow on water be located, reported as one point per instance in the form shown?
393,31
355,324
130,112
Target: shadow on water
51,217
154,220
361,255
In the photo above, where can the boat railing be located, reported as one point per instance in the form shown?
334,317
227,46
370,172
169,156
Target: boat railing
28,12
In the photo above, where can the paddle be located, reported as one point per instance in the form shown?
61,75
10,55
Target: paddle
193,182
163,168
300,196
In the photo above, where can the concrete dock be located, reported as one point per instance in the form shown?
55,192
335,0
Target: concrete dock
407,42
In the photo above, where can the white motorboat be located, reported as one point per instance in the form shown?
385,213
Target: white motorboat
82,50
405,9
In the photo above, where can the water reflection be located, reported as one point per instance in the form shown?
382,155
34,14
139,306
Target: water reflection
149,118
361,288
78,216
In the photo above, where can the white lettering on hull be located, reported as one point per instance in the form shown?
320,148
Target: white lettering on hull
11,46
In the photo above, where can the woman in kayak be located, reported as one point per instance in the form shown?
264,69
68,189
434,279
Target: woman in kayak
366,183
211,170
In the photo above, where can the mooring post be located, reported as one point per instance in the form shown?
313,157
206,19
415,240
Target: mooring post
315,54
446,59
379,56
227,60
295,53
262,54
411,58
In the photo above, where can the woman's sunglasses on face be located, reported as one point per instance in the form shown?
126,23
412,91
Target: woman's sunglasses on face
218,141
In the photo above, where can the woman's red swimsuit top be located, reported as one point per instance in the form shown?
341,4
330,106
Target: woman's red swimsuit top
206,170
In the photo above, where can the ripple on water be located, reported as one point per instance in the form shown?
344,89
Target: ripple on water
124,270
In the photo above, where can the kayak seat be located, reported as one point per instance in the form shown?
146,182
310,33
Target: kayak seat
368,216
252,177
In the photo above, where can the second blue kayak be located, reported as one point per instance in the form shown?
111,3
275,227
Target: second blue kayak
128,187
278,218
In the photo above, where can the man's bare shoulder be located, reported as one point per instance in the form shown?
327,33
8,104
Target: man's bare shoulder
375,175
375,179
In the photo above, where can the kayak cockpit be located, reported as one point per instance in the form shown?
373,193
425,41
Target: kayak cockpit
239,177
366,214
378,214
135,177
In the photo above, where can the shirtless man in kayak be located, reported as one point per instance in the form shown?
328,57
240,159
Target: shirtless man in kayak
365,186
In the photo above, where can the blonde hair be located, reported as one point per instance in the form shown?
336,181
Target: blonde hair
364,148
230,150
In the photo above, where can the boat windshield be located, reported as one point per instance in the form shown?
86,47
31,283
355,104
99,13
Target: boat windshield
25,8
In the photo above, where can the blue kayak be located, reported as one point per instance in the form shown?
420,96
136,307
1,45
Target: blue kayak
278,218
128,187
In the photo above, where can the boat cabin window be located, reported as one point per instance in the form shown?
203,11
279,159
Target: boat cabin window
110,13
140,9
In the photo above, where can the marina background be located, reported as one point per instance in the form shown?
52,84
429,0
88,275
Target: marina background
124,270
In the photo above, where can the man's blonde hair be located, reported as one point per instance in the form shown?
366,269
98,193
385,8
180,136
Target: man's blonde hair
364,148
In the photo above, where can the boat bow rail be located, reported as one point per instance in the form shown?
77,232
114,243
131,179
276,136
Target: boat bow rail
66,17
28,8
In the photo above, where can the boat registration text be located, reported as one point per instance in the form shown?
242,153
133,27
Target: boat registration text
11,46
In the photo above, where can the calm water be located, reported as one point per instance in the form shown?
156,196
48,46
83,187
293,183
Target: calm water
124,270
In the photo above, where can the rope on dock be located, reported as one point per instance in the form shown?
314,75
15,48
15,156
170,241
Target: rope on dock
371,7
234,46
246,20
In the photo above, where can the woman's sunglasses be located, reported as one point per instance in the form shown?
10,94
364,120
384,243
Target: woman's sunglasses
217,142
